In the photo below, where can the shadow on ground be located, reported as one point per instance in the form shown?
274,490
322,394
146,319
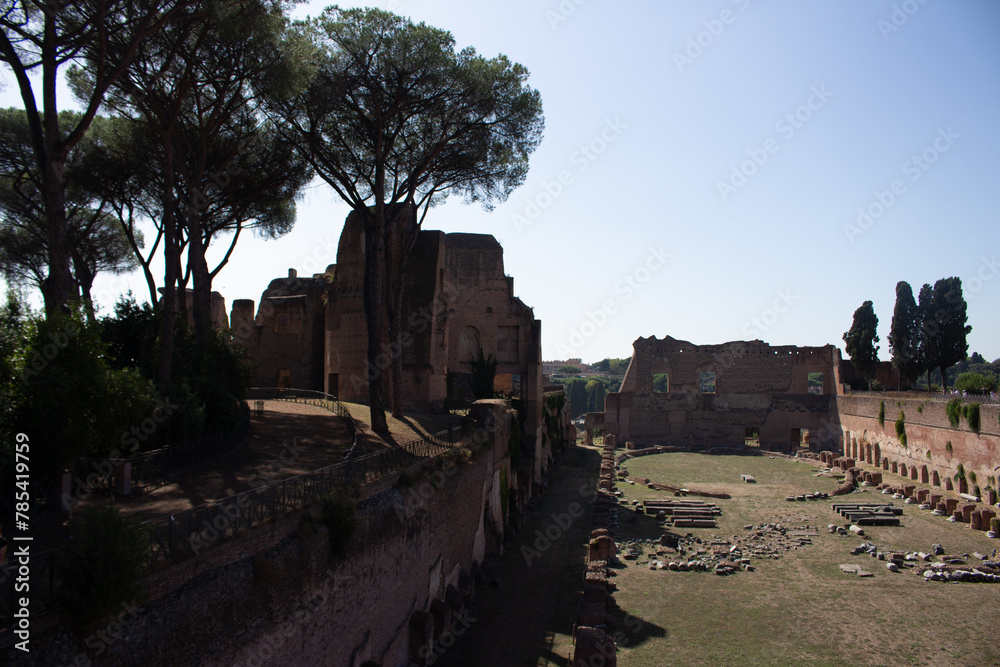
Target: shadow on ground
529,618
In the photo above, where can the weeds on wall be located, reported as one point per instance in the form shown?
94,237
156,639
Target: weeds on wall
104,564
961,472
971,413
881,413
954,410
901,428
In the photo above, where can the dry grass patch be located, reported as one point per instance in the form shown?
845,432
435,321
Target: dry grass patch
800,609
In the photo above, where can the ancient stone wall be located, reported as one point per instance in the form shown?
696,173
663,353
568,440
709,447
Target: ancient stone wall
285,338
714,393
934,448
276,599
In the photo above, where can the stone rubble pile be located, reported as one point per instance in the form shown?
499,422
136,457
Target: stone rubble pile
971,513
689,553
932,566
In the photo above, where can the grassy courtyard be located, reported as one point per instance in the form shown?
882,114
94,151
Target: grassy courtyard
799,608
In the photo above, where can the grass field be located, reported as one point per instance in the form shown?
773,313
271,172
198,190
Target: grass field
799,609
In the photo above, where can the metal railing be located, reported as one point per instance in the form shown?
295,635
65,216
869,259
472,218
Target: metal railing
985,399
191,532
306,396
152,466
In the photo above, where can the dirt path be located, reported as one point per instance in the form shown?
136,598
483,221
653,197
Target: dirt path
528,620
289,439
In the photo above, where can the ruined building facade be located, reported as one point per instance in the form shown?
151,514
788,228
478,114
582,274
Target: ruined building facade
458,307
679,393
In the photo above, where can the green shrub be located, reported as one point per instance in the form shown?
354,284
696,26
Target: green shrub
976,383
961,472
104,564
954,410
901,428
881,413
337,514
971,412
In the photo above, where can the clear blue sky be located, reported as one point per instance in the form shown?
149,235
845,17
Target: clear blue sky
704,164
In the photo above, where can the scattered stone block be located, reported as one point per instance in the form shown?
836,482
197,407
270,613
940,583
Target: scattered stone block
594,646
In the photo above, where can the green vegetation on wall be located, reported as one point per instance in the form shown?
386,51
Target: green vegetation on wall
901,428
881,413
971,413
954,410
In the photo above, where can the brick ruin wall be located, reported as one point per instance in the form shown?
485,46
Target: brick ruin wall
934,448
756,386
285,337
273,598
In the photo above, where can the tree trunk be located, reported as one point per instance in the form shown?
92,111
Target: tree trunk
408,231
374,305
168,301
58,287
944,380
198,266
85,279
